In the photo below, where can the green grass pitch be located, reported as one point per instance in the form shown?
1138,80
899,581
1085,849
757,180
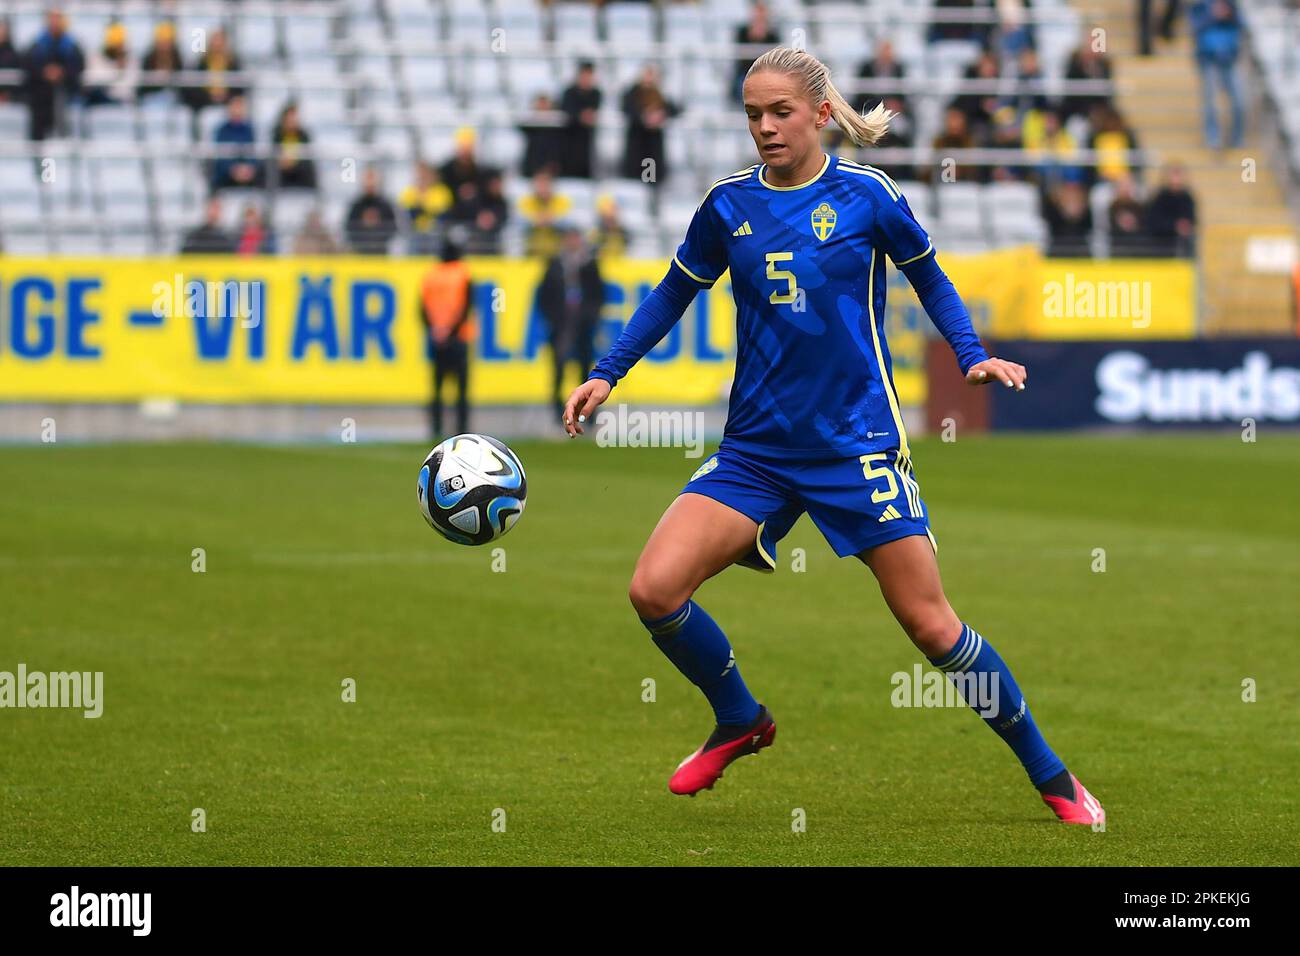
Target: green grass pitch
522,690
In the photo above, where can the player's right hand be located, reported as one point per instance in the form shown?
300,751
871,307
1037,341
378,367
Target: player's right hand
1009,374
584,400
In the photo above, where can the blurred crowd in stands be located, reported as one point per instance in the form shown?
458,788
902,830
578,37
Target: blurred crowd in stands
465,198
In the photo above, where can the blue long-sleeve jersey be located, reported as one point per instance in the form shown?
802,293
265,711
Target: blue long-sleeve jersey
813,371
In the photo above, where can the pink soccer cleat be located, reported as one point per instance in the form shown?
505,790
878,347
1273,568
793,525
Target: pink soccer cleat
1083,808
702,769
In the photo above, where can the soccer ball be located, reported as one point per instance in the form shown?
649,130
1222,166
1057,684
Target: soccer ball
472,489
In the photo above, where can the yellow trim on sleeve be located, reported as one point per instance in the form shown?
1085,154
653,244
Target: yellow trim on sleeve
928,249
704,282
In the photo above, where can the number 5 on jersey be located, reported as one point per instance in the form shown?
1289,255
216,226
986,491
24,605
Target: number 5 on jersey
792,292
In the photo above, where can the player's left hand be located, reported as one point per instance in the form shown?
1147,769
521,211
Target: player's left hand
995,369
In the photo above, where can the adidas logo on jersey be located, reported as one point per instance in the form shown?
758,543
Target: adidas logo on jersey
890,514
744,229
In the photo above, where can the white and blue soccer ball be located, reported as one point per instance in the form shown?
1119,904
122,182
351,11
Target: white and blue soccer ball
472,489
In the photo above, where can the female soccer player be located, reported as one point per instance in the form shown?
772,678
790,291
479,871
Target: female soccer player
813,422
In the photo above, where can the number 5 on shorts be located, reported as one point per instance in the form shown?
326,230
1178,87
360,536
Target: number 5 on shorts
868,472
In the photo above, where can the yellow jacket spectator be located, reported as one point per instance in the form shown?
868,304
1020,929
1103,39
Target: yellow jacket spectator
1112,141
543,209
608,238
425,200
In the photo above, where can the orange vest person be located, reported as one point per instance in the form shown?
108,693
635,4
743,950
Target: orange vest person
1295,286
446,301
445,298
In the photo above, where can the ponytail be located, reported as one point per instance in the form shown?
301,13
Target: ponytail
864,129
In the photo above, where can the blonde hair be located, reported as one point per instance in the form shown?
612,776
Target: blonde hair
863,128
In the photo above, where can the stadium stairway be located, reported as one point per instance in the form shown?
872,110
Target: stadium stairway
1160,97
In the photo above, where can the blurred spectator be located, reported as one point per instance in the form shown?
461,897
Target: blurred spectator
1048,141
1086,63
467,179
1015,31
1144,12
110,75
54,67
885,66
900,135
609,237
543,129
1069,220
314,239
372,220
209,237
981,107
647,111
463,167
953,29
580,104
468,184
1218,43
543,208
1006,135
254,238
570,297
446,304
235,167
295,170
218,60
1113,140
490,215
955,135
757,31
1127,221
423,203
162,61
901,130
1030,74
1171,215
1018,115
10,59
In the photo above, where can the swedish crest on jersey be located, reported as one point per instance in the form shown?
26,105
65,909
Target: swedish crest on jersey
823,221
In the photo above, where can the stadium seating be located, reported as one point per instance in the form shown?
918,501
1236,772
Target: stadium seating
390,81
1275,43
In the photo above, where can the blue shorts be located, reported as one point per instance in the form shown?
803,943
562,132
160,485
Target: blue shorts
856,503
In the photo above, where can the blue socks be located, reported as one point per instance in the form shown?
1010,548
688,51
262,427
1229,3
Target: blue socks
698,648
975,667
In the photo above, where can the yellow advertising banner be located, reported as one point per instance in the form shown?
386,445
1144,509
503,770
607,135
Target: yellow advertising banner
1111,299
348,329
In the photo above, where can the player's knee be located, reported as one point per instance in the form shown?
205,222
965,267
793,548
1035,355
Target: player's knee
655,595
934,632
